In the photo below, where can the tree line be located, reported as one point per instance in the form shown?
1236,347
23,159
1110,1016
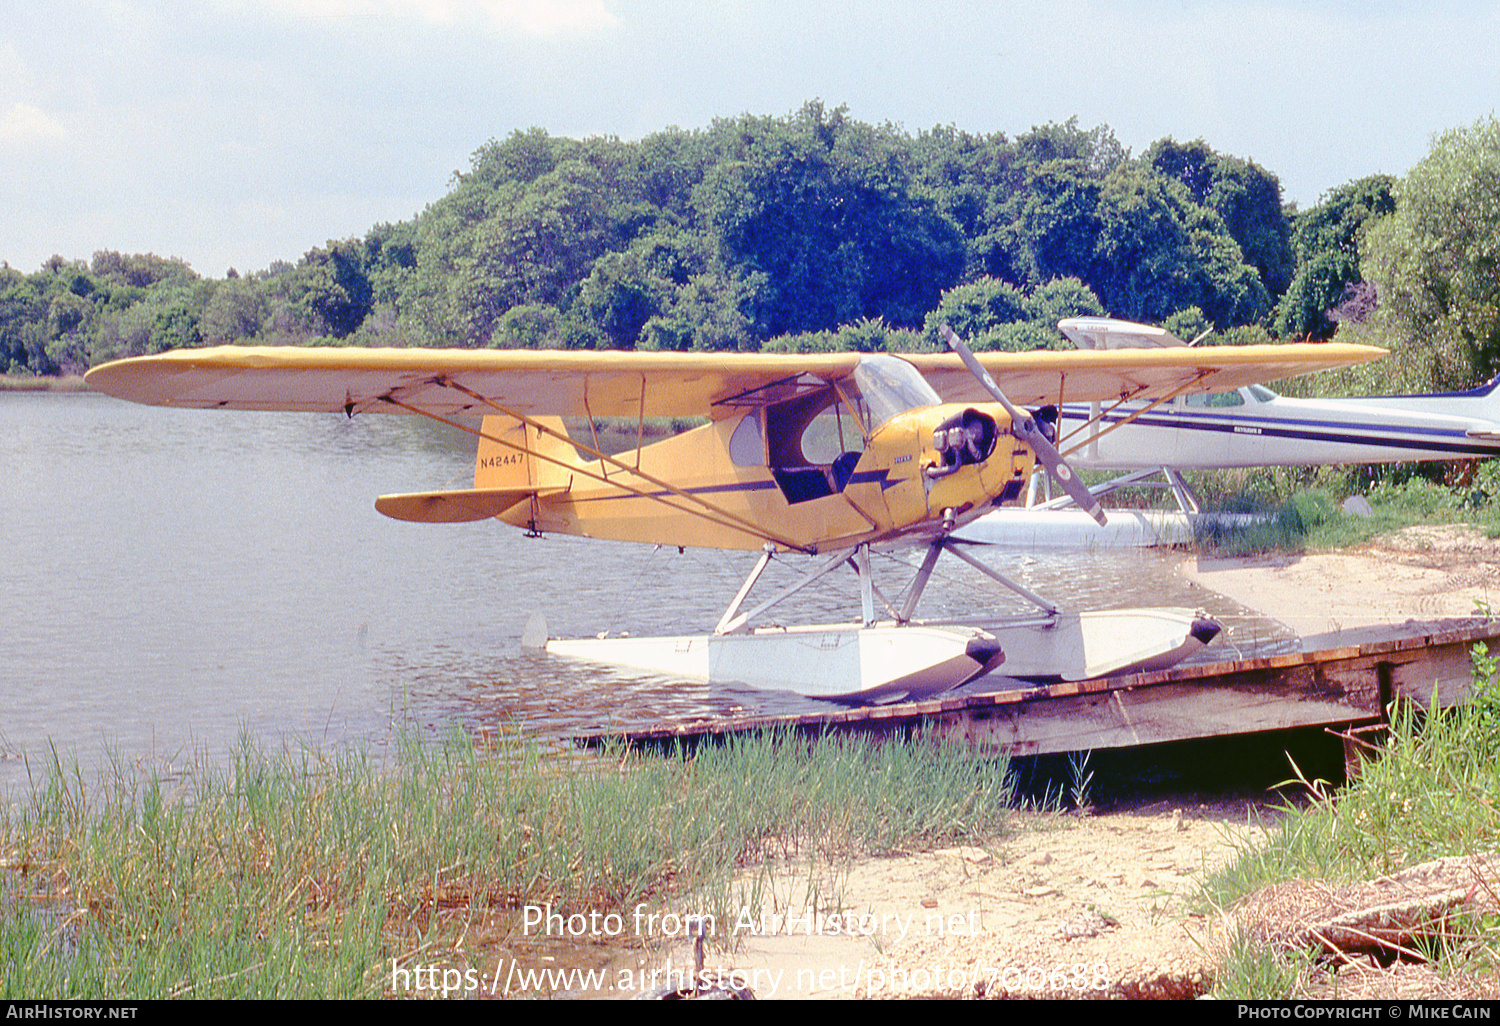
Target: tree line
817,231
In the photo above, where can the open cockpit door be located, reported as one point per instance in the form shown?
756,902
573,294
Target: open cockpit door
815,431
813,442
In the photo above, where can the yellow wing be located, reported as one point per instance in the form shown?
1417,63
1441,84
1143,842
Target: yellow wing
1085,375
654,384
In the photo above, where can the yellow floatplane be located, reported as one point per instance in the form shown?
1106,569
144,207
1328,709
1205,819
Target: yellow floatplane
830,455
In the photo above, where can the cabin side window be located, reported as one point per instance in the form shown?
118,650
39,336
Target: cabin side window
1213,400
745,446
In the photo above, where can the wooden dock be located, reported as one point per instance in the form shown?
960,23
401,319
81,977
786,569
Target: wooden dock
1340,681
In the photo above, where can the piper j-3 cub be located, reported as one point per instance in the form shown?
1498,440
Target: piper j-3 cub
833,456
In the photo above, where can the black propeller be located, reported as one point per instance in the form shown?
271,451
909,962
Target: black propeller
1024,426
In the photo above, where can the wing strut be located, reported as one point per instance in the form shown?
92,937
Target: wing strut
1153,404
1125,397
713,514
735,622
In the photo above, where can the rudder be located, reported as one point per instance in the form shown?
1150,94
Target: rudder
513,454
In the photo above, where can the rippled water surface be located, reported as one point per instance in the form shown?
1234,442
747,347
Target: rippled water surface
172,579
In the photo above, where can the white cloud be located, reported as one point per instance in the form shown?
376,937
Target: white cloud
532,17
25,123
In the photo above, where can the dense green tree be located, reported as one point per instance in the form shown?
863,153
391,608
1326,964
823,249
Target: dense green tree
976,309
1321,282
521,158
528,326
533,245
23,328
1062,298
618,297
1057,234
994,188
822,209
287,317
331,289
1160,252
167,317
1188,324
1326,240
627,289
141,270
707,313
70,324
992,314
1097,147
235,313
389,259
175,326
809,230
1158,242
1244,195
1248,198
1435,262
972,180
669,166
867,335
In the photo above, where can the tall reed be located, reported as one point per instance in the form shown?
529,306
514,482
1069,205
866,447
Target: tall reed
302,874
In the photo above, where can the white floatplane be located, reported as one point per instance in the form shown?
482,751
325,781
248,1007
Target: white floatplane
1250,426
832,456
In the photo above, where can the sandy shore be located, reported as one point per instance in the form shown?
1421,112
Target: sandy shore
1102,905
1066,906
1421,573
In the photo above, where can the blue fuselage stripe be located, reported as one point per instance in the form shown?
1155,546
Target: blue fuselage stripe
1329,432
862,477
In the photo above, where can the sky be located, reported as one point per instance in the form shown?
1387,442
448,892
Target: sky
234,133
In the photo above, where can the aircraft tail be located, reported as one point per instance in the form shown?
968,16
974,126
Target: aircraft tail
1480,404
533,460
1489,409
504,476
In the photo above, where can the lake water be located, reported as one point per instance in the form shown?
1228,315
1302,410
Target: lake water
172,579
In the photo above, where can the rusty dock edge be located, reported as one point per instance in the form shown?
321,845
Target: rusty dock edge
1352,685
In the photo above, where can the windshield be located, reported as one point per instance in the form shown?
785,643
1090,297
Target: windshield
888,386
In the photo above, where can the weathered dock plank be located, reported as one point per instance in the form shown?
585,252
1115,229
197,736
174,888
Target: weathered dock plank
1347,680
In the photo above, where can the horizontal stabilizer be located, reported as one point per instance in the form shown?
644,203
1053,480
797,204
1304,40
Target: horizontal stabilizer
456,507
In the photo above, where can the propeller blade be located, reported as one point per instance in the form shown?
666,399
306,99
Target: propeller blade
1024,426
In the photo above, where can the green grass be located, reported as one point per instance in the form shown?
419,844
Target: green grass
1433,791
1311,517
298,874
1245,973
39,383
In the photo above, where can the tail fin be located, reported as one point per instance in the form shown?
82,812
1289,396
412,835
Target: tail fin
504,476
532,459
